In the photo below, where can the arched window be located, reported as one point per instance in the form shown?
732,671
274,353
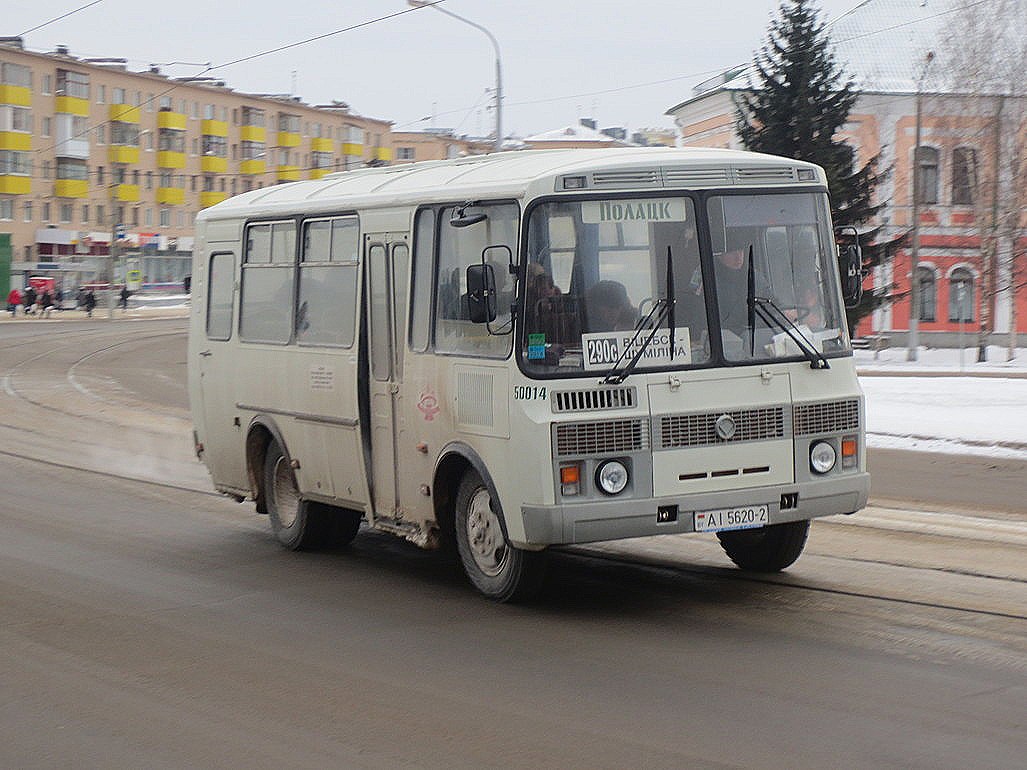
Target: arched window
964,176
961,295
927,167
925,282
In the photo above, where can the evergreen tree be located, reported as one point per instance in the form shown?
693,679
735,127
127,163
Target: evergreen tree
796,106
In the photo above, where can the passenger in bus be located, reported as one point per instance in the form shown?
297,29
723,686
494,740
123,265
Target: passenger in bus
608,308
732,289
449,296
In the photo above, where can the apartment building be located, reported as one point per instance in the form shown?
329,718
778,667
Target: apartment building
435,144
89,148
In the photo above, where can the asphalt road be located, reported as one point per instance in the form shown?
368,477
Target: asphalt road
147,622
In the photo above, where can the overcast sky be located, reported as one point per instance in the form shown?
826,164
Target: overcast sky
623,62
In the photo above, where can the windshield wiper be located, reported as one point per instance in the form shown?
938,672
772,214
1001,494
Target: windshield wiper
662,309
772,315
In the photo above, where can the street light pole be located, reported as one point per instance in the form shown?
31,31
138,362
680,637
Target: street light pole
914,283
498,144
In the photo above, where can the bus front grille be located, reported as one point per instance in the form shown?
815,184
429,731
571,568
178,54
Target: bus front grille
599,438
686,430
593,399
825,417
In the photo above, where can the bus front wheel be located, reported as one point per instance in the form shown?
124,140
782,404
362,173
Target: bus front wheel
299,524
497,569
768,549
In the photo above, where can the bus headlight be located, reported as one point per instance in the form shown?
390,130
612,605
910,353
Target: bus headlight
822,457
612,477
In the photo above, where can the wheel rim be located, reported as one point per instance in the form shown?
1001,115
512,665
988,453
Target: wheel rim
286,495
485,536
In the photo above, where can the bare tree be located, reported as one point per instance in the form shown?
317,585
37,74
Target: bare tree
986,62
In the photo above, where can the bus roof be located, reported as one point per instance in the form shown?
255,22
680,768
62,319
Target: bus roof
512,174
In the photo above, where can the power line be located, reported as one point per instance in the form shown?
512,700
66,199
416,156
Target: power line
62,16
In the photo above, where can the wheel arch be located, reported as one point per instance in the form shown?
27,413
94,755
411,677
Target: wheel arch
455,459
261,432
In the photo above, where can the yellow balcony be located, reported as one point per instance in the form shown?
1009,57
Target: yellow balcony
128,193
72,105
170,159
288,173
288,139
321,144
15,140
210,198
214,128
15,185
123,113
123,153
175,120
251,167
383,153
172,195
71,188
17,95
212,164
253,134
353,148
318,173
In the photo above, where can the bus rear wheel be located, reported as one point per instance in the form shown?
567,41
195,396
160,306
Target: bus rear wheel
497,569
298,524
768,549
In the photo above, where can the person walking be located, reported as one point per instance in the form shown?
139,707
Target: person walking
28,299
45,304
13,300
89,302
123,301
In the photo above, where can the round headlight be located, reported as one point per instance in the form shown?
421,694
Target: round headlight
822,457
612,477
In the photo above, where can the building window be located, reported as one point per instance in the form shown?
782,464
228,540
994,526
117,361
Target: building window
964,176
6,208
46,126
149,180
70,168
27,208
85,212
926,287
15,162
118,96
961,296
251,116
99,174
215,146
288,123
165,104
15,75
66,213
101,135
927,167
404,153
170,140
124,133
101,95
149,102
208,111
99,214
165,217
148,217
46,212
47,84
135,217
72,84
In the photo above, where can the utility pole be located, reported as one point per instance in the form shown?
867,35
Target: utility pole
113,255
914,282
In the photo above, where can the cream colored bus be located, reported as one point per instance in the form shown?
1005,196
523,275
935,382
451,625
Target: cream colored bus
531,349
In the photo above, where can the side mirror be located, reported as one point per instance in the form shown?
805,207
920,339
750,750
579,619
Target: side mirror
850,265
481,294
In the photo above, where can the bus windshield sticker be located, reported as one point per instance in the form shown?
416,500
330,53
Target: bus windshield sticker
536,346
648,210
603,349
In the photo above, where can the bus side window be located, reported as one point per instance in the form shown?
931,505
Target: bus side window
421,281
220,296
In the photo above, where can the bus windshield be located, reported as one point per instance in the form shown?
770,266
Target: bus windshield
596,270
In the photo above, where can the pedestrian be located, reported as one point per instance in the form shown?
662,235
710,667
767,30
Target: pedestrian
45,304
13,300
89,302
58,298
125,294
28,299
80,297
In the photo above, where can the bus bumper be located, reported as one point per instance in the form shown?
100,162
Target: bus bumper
618,519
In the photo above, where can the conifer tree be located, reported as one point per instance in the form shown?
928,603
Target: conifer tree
798,100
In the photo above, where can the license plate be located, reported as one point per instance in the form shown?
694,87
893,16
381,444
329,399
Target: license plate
744,517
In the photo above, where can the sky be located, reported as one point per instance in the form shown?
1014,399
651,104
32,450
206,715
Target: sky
622,62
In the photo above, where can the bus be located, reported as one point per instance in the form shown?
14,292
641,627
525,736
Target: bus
507,353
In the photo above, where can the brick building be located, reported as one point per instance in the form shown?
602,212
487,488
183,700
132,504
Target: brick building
894,51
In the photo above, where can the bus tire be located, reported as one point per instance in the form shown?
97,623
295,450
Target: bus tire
497,569
302,525
768,549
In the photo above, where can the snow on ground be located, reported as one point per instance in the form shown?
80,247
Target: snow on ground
959,413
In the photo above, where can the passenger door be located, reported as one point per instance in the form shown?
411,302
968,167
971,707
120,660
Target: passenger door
386,258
